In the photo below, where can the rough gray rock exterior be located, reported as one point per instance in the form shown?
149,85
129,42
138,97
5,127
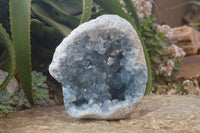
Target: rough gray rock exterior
102,68
12,86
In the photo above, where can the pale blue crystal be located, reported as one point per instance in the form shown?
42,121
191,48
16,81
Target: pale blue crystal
102,69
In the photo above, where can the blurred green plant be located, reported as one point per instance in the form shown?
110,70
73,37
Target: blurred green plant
5,102
154,40
19,99
155,43
40,91
179,88
163,77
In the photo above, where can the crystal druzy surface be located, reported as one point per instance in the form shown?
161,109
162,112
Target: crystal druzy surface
102,68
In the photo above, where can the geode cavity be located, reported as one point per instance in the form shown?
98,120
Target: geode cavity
102,68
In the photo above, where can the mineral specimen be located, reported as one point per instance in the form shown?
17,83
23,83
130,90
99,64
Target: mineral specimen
102,68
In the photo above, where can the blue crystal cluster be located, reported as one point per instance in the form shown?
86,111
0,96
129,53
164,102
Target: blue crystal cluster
101,72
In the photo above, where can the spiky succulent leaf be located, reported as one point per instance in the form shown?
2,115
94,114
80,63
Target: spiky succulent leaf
58,7
20,29
7,44
87,8
73,7
133,13
47,19
37,28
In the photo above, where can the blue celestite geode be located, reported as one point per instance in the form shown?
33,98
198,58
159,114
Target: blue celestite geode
102,68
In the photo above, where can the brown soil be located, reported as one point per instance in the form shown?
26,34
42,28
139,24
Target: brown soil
155,114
